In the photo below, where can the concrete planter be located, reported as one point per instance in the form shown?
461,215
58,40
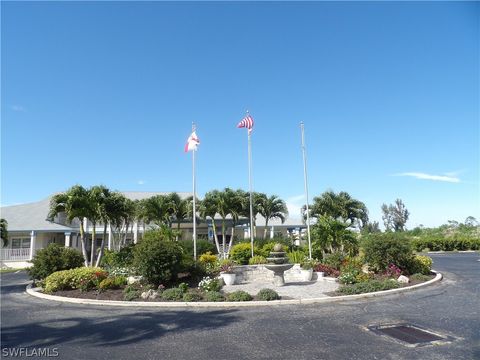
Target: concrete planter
228,279
306,274
320,275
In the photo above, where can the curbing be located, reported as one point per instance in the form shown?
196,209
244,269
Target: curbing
35,292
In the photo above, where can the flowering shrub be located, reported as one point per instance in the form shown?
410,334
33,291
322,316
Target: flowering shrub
349,277
208,284
392,271
328,270
80,278
210,263
114,282
420,264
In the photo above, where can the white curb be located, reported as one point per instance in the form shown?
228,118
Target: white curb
36,292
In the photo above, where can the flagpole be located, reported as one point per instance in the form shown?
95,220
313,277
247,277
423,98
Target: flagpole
250,186
194,208
306,189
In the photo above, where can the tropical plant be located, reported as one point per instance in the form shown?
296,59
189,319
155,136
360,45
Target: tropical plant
268,295
4,231
339,206
76,205
178,210
272,208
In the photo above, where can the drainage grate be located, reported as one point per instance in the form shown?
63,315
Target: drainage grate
410,335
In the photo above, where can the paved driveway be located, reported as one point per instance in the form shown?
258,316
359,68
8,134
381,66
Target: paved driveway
322,331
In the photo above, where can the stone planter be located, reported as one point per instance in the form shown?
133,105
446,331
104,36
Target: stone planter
320,275
228,279
306,274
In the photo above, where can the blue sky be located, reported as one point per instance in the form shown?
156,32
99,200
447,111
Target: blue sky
105,93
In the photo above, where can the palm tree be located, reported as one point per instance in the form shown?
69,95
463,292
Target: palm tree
272,208
208,209
111,211
157,210
340,206
98,201
178,210
4,231
257,199
76,205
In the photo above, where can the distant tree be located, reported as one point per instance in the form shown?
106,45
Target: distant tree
371,227
395,216
4,231
471,222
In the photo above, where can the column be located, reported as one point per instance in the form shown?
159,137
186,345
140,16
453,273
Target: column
68,239
33,239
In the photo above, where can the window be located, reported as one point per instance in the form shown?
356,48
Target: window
21,243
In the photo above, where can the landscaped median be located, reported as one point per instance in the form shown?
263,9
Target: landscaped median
37,292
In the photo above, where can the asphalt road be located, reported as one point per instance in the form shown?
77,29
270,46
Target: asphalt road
322,331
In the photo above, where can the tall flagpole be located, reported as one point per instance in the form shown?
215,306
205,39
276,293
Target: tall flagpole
194,208
306,190
250,185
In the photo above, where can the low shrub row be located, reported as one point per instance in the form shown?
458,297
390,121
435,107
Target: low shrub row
79,278
368,286
454,243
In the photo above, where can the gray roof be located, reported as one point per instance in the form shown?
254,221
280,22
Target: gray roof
31,216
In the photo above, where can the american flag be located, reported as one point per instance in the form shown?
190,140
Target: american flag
246,122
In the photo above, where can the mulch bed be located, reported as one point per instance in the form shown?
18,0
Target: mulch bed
117,294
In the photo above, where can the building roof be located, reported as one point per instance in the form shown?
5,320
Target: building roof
31,216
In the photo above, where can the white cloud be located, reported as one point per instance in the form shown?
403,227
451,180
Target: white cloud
450,177
140,182
18,108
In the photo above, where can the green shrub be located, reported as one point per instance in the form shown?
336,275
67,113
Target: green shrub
442,242
383,249
267,295
335,260
203,246
114,282
158,260
173,294
420,264
54,258
214,296
241,253
79,278
192,296
118,259
368,286
239,295
296,256
209,263
257,260
132,292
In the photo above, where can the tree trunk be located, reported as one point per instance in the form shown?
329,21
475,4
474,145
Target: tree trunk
143,225
126,233
84,248
94,244
102,246
178,231
215,237
231,239
265,230
223,237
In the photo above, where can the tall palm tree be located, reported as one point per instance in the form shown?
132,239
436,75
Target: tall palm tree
272,208
178,210
208,209
76,205
158,210
98,201
340,206
112,211
237,209
257,199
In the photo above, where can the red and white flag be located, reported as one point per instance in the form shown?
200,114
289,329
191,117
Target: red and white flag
246,122
192,142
